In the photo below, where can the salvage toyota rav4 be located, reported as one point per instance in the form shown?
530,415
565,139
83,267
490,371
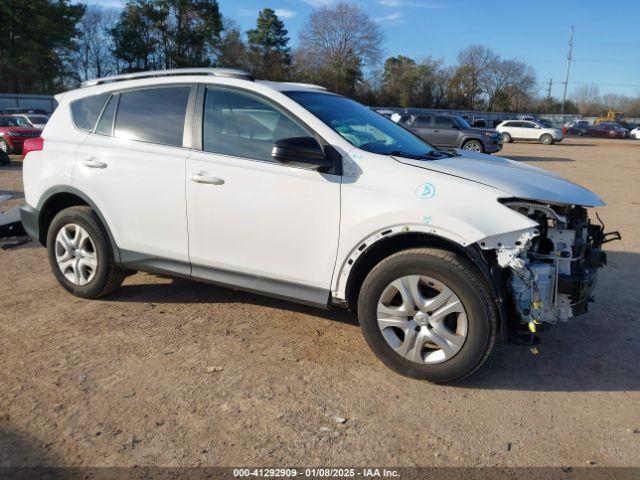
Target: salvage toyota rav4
292,191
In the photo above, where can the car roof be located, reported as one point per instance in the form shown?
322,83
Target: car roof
212,76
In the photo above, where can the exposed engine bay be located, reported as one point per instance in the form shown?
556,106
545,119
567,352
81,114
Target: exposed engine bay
554,268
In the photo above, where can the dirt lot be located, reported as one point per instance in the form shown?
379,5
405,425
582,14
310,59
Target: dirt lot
131,379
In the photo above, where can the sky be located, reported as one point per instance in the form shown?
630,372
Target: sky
606,41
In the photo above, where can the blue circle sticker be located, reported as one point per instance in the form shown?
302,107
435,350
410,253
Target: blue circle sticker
425,191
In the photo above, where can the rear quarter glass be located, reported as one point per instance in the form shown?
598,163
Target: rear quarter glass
85,111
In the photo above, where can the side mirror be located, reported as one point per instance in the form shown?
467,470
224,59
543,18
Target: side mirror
303,152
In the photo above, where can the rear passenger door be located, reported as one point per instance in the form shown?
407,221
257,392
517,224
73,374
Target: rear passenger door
132,167
423,126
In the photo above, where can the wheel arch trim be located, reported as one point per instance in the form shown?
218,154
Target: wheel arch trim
364,246
472,252
52,192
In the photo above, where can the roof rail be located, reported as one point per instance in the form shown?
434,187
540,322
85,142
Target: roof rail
307,85
217,72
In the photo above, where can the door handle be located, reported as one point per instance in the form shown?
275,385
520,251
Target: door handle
202,178
91,162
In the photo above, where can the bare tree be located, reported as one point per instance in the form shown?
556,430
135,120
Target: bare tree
505,82
588,99
336,44
473,63
93,57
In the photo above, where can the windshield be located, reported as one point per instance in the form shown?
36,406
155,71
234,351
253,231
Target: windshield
8,122
462,122
361,126
37,119
22,121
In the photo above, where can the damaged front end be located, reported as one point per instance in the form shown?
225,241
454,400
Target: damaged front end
552,269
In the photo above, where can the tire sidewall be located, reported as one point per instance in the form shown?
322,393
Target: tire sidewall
478,335
87,220
546,139
506,138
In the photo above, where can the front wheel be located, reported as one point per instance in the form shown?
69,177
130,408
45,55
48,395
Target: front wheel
4,146
80,254
428,314
473,146
546,139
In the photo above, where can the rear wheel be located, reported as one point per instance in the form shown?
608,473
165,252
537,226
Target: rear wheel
506,138
473,146
428,314
546,139
80,254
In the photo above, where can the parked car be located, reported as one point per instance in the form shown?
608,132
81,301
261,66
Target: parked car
31,120
528,130
451,131
635,133
13,135
608,130
292,191
577,127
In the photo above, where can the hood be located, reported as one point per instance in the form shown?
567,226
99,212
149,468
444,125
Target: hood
19,129
516,179
481,131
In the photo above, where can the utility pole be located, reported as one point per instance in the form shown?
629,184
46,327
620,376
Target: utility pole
549,89
566,77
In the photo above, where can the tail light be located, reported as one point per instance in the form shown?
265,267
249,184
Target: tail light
34,144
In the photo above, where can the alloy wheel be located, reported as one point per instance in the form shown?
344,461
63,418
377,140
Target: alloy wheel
473,146
422,319
76,254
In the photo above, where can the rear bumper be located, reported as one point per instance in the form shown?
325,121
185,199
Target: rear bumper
30,218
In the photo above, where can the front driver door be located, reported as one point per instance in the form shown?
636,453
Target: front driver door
253,222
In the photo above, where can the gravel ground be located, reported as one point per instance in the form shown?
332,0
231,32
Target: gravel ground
175,373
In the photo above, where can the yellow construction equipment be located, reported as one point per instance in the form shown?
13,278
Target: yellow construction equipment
612,116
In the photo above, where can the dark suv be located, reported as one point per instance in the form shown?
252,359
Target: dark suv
453,132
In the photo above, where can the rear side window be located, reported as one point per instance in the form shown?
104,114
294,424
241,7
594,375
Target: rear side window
424,121
244,125
155,115
85,111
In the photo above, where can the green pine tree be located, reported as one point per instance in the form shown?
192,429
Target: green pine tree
269,51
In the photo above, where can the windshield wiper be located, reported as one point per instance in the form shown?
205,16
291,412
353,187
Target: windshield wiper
432,155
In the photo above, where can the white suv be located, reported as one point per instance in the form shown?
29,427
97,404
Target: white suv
295,192
528,130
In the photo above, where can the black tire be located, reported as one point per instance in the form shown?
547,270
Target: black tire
108,276
506,138
4,159
546,139
464,280
473,146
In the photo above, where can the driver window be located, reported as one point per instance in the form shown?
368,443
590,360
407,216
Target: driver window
244,125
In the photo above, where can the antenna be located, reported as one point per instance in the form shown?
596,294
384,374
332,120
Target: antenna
566,78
